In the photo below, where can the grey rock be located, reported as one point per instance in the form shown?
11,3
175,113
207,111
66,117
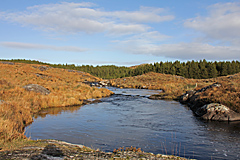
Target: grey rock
218,112
191,96
2,101
37,88
210,86
212,111
42,68
10,63
185,97
103,83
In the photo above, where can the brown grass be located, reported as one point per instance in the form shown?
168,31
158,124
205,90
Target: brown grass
17,106
174,86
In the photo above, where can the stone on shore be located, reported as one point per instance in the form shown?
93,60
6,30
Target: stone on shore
218,112
207,110
37,88
10,63
59,150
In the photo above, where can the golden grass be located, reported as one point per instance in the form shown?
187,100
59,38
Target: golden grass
174,86
17,106
170,84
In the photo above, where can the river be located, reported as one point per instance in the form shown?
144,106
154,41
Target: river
129,118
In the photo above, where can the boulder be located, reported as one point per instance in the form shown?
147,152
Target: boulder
1,101
42,68
210,86
10,63
185,97
205,108
104,82
217,112
191,96
37,88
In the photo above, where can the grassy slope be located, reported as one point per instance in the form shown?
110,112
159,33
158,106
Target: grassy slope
17,105
174,86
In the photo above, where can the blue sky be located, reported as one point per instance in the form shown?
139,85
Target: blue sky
119,32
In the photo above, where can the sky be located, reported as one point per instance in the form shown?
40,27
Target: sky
119,32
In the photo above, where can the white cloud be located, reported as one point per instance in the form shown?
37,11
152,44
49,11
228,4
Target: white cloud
182,51
143,39
83,17
221,24
18,45
220,27
144,15
153,36
110,62
122,29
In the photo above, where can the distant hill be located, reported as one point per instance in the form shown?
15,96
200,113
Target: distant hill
191,69
136,66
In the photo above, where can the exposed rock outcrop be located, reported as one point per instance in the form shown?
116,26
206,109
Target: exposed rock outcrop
102,83
185,97
10,63
208,110
59,150
42,68
1,101
37,88
218,112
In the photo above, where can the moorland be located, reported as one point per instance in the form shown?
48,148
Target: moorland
65,86
18,105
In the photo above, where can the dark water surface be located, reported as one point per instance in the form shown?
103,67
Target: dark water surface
157,126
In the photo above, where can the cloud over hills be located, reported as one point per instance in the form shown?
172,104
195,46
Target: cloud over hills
19,45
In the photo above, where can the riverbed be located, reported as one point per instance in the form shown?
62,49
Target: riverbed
129,118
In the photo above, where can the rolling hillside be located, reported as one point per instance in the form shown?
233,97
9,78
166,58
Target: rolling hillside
27,88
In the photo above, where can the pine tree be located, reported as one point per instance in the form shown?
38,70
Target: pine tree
212,70
203,69
224,69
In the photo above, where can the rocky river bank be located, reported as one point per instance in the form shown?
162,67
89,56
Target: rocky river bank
59,150
205,109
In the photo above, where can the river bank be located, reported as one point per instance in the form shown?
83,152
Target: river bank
211,99
28,88
66,87
53,149
25,89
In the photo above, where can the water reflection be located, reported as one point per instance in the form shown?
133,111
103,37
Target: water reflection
56,111
134,92
160,126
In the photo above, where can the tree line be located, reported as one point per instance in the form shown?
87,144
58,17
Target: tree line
191,69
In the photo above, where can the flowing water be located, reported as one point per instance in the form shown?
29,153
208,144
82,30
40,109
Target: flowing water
129,118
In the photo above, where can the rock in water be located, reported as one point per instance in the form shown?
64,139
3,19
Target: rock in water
37,88
218,112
